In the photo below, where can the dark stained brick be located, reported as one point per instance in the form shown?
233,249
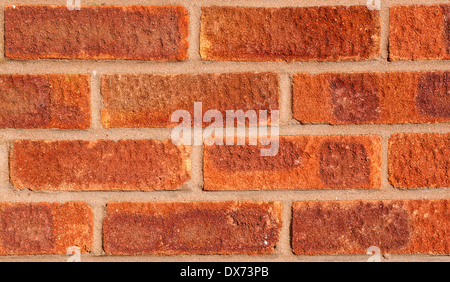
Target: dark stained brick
344,164
447,27
351,227
288,157
372,97
27,228
433,97
355,97
303,162
192,228
45,228
45,101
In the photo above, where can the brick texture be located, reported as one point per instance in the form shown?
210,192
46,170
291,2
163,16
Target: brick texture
45,101
150,100
419,32
419,160
303,162
99,165
45,228
102,32
363,98
92,100
192,228
396,227
291,34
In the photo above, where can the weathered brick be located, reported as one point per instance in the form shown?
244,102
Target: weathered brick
99,165
419,32
419,160
362,98
147,100
45,101
192,228
101,32
45,228
303,162
291,34
351,227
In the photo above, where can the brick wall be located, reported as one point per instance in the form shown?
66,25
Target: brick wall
86,158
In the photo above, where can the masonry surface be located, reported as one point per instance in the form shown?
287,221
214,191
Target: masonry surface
87,160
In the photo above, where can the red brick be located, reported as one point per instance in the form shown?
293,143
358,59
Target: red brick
303,162
290,34
99,165
100,32
147,100
364,98
192,228
401,226
45,228
419,32
419,160
447,27
45,101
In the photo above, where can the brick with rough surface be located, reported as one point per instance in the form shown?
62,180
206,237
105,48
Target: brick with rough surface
365,98
192,228
351,227
290,34
147,100
45,228
419,32
100,32
419,160
303,162
99,165
45,101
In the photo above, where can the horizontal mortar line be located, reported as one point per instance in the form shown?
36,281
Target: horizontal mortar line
199,66
282,257
102,198
165,133
254,3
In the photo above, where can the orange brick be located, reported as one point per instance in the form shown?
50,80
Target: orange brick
45,228
419,32
363,98
290,34
99,165
192,228
400,227
100,32
45,101
146,100
303,162
419,160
